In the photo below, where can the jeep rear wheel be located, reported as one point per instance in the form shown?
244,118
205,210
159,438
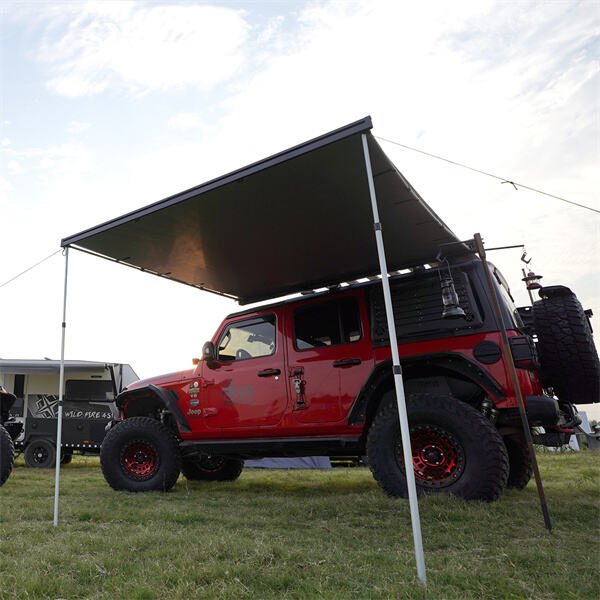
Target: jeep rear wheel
140,455
7,455
568,355
212,468
455,449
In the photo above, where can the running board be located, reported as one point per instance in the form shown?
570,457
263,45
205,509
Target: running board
279,447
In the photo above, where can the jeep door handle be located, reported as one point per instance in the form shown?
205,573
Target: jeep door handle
346,362
269,372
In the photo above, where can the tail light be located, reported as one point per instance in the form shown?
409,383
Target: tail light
524,352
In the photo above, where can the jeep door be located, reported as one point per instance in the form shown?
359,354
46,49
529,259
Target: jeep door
330,357
246,386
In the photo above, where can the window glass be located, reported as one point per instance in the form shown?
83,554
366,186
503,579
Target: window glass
248,339
328,323
350,319
89,390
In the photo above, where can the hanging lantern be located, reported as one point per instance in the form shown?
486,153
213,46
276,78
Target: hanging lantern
452,309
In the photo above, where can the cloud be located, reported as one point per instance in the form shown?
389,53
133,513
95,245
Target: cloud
65,158
77,127
5,142
5,188
115,46
14,167
272,27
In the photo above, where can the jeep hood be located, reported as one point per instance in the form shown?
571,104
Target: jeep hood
161,380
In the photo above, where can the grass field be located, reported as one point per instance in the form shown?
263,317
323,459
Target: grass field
296,534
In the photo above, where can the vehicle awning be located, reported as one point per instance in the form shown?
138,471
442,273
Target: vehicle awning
25,367
298,220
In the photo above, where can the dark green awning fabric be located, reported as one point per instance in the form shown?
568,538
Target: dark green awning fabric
298,220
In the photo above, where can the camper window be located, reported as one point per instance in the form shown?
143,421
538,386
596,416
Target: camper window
85,390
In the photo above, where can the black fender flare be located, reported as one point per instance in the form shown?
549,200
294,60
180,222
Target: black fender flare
168,398
449,361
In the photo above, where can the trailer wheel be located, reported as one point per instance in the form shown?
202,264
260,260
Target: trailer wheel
212,468
455,449
7,455
66,457
40,454
140,455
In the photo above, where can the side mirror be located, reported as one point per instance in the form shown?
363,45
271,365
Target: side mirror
209,354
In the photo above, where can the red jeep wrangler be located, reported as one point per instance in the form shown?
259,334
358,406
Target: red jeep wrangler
313,376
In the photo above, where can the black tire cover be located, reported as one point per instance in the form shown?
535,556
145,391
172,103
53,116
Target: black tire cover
568,356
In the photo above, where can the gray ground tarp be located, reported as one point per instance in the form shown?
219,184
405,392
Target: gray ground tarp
302,462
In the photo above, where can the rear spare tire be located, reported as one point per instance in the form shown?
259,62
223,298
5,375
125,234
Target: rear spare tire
212,468
7,455
456,450
568,356
140,455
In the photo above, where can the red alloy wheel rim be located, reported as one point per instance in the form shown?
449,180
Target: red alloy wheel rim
438,457
140,460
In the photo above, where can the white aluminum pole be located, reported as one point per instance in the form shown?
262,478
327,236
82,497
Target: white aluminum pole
60,392
397,369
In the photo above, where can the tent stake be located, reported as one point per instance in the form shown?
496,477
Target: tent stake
513,374
398,381
60,392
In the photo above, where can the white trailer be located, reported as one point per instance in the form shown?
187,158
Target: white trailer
32,392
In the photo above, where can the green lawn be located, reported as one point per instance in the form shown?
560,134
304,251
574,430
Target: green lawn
296,534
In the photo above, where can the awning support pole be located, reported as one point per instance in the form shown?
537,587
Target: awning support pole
515,381
397,369
60,392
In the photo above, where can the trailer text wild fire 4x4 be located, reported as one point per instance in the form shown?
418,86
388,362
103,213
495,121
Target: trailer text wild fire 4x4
313,376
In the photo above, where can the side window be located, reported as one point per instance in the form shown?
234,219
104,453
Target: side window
250,338
328,323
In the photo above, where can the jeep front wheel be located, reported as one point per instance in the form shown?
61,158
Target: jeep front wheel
212,468
455,449
140,455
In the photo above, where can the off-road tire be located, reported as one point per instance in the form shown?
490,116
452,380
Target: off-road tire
213,468
568,356
520,466
140,454
40,454
7,455
480,468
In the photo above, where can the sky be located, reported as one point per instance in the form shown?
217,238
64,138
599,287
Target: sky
108,106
